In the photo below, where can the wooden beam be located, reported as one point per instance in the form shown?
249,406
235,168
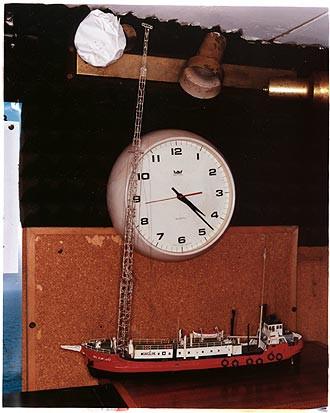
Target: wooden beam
165,69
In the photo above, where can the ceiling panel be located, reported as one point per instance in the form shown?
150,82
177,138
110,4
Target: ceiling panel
256,23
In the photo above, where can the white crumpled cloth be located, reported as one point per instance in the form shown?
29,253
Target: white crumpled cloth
100,39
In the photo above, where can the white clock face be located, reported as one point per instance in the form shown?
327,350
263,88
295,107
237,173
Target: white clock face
185,197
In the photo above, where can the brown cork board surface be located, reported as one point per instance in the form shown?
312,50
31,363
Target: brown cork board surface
312,293
71,281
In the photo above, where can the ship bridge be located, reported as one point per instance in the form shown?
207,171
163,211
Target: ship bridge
273,332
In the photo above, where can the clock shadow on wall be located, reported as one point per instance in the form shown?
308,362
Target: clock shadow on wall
73,130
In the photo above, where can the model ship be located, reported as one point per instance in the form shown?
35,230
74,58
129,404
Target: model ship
188,351
194,351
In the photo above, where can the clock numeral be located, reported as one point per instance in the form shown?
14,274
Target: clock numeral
197,156
202,231
155,158
136,198
214,214
181,240
176,151
219,192
144,176
212,172
144,221
160,234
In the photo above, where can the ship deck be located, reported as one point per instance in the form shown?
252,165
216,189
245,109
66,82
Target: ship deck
105,345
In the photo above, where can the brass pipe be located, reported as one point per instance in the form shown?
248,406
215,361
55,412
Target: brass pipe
321,87
289,88
315,88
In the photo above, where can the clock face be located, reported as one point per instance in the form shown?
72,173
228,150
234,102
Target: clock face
185,197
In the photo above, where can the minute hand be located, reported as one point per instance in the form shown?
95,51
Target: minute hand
186,201
193,207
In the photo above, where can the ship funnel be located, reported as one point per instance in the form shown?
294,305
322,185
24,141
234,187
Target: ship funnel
260,324
232,321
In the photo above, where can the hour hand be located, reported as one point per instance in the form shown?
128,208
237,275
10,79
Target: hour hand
191,206
186,201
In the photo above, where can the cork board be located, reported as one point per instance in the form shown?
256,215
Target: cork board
71,282
312,293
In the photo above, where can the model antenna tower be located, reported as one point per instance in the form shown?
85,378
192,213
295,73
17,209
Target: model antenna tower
126,282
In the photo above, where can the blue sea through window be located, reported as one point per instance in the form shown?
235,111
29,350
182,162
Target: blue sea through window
12,333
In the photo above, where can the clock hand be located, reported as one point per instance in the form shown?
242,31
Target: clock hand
173,197
186,201
204,220
191,206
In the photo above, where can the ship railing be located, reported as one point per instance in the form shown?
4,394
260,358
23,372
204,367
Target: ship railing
92,343
292,338
151,341
99,349
202,344
242,337
152,346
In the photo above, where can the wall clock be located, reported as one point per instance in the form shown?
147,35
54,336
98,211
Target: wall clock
185,197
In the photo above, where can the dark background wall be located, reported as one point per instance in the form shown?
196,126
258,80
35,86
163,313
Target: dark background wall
73,129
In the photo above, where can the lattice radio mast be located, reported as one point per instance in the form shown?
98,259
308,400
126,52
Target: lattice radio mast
126,282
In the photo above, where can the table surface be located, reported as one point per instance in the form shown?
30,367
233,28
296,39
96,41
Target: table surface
281,385
89,396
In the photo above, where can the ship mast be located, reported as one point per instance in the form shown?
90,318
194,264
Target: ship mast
262,297
126,281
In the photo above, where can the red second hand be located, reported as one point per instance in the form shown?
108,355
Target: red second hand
174,197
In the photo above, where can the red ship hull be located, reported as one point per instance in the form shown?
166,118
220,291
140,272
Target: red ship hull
113,363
